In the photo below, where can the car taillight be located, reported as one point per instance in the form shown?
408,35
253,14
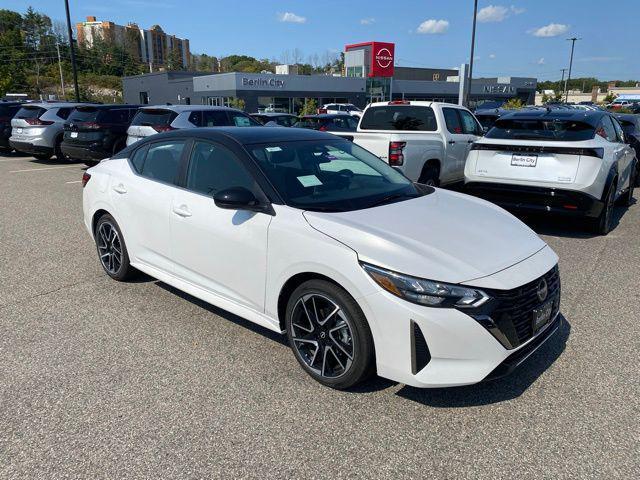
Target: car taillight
91,125
322,110
85,179
399,102
396,157
162,128
323,128
37,121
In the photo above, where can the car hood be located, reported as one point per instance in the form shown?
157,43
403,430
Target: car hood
444,236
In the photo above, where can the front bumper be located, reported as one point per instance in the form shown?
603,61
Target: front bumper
528,199
30,148
437,347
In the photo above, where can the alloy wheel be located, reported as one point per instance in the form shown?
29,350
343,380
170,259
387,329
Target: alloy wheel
322,335
109,248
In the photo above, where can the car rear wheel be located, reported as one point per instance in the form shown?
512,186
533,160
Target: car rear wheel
112,251
430,176
58,150
603,223
42,156
329,334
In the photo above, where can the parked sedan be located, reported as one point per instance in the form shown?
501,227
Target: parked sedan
94,132
282,119
308,234
328,123
7,112
37,129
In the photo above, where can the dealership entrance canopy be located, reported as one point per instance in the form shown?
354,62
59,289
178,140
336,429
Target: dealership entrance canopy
369,75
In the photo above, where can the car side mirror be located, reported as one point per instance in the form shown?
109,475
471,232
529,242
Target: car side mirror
239,198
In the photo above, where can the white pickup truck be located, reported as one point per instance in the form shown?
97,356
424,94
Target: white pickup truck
427,141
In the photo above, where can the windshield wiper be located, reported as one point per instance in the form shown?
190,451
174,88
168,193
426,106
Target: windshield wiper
392,197
320,208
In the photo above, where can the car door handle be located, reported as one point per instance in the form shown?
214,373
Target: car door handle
451,142
470,141
119,188
182,211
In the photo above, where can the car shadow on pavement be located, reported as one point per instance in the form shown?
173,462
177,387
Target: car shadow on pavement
271,335
568,227
499,390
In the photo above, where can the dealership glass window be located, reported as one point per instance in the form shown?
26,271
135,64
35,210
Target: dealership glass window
355,71
452,120
144,98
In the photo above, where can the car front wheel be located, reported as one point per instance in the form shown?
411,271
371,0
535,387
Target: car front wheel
329,334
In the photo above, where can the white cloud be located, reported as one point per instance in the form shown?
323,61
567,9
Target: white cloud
540,61
492,13
516,10
492,56
289,17
432,26
367,21
551,30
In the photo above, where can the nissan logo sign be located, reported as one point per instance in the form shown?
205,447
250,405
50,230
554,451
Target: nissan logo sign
384,59
543,290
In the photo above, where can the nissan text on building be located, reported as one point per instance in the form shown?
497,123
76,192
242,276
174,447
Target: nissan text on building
370,75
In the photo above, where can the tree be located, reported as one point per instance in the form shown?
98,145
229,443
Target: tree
610,97
238,103
310,107
545,98
513,104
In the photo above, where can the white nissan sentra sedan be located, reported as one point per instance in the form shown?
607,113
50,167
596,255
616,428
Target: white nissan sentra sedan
310,235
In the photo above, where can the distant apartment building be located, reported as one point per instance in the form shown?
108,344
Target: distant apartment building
153,46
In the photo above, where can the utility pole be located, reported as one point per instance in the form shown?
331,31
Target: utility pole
566,91
60,66
73,53
473,46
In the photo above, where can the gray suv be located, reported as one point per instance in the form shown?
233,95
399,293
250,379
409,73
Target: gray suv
163,118
37,129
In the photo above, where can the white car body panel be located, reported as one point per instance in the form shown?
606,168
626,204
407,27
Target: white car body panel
443,236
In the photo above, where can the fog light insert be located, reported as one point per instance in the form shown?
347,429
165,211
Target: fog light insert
420,355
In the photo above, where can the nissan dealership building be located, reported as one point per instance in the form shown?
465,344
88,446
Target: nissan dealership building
369,75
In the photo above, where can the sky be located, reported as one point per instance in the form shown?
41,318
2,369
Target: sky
514,38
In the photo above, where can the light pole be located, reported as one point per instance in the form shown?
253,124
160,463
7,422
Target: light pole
566,82
73,53
473,46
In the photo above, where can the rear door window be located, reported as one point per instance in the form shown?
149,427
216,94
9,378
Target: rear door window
239,119
63,113
399,117
162,161
618,128
214,118
606,130
151,117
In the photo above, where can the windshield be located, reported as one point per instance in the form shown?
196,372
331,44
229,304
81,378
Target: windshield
30,112
399,117
541,129
147,117
84,115
331,175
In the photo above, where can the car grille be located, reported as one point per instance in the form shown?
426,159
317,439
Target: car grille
513,314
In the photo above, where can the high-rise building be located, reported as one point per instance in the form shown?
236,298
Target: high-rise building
153,46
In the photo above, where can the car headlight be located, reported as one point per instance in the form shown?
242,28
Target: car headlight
427,292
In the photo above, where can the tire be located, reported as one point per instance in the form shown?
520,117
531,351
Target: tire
430,175
42,156
57,149
112,251
329,334
602,224
628,198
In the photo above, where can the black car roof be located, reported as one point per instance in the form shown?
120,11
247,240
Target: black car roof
108,107
272,114
591,117
329,115
248,135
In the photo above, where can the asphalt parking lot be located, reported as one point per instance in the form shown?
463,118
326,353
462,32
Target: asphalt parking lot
100,379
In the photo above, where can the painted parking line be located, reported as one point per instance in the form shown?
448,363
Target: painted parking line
41,169
74,181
